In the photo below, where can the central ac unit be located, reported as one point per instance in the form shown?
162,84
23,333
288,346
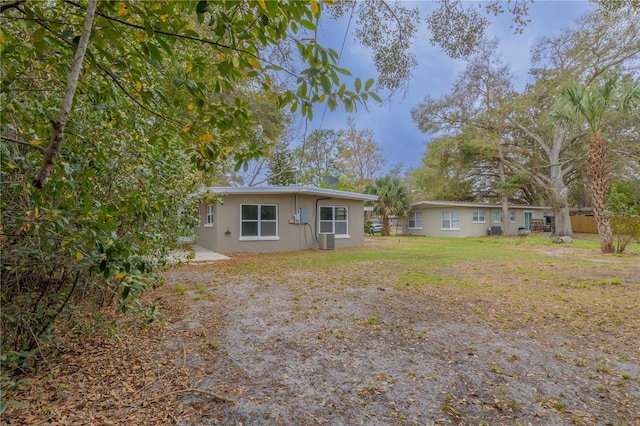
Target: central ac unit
327,241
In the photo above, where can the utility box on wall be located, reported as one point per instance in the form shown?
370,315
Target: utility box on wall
304,215
327,241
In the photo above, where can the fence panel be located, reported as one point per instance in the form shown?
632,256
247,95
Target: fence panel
584,224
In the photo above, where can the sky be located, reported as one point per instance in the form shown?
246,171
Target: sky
394,131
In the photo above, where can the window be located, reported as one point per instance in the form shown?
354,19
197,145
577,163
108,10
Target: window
415,220
450,220
209,215
512,217
478,216
497,216
258,221
334,220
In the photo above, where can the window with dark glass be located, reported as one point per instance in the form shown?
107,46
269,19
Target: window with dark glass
259,220
334,220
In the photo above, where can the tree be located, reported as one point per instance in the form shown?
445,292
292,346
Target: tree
591,104
547,154
393,199
624,209
318,156
98,157
360,155
282,171
476,108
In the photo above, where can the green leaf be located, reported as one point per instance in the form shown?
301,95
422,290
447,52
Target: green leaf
375,97
368,84
202,6
308,25
326,83
343,71
302,90
358,85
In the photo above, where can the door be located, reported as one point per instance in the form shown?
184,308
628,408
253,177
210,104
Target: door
527,220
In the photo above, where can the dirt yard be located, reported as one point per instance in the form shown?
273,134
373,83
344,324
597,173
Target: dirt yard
299,346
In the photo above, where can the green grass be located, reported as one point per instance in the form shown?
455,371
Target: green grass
523,283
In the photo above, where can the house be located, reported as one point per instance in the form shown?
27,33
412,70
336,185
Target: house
458,219
277,219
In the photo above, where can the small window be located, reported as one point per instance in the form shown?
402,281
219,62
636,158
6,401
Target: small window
451,220
478,216
415,220
497,216
209,215
334,220
258,221
512,216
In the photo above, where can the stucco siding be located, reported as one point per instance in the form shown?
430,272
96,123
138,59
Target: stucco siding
225,234
432,220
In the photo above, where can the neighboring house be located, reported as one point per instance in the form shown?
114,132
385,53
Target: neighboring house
457,219
276,219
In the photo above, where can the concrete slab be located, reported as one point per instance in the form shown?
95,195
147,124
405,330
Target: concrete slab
201,254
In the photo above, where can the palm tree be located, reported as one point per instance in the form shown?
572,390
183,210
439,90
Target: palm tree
393,199
590,103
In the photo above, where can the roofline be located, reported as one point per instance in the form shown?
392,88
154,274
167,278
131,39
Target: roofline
465,204
304,190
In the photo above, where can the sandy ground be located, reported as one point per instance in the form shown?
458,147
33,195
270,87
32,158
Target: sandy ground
375,356
305,347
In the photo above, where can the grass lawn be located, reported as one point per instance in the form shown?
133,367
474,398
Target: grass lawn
406,330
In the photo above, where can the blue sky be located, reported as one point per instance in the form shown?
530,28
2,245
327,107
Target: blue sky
395,132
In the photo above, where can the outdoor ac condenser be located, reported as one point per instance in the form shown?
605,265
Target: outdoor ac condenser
496,230
327,241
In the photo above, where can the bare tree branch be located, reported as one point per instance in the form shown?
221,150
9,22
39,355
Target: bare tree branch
55,144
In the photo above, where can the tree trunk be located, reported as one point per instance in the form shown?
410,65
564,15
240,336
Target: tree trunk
560,205
558,188
385,223
504,199
55,143
598,175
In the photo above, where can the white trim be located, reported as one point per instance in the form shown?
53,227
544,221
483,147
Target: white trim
208,214
449,204
451,220
415,220
484,216
305,190
333,221
259,222
272,238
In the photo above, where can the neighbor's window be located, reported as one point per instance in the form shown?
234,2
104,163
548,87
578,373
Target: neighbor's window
415,220
258,221
478,216
334,220
497,216
451,220
209,220
512,216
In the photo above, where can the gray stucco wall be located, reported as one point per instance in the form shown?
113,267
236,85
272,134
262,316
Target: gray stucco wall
224,236
432,221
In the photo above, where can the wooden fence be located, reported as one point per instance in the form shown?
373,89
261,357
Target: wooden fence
584,224
587,225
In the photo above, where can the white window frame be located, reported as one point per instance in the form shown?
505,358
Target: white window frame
512,216
452,217
208,215
333,221
496,216
416,218
479,216
260,222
